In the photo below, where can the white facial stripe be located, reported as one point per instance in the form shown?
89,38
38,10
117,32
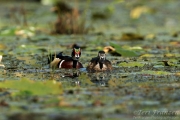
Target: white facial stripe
76,55
102,56
61,63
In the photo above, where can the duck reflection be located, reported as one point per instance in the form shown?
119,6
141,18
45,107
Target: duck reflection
100,78
79,77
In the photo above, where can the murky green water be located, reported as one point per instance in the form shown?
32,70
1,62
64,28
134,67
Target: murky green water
141,87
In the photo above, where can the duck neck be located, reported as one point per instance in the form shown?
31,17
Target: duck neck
100,65
74,63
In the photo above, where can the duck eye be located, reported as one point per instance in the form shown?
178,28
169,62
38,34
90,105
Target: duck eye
101,55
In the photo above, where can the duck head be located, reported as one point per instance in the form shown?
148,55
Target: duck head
76,53
101,56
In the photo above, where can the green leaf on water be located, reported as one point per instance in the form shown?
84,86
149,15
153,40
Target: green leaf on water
124,52
33,87
8,31
151,72
131,64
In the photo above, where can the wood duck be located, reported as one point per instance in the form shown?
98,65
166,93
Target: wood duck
60,61
99,63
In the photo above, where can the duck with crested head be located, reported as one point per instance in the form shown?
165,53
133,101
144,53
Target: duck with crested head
68,62
99,63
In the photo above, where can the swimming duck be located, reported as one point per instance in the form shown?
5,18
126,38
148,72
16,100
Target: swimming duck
60,61
99,63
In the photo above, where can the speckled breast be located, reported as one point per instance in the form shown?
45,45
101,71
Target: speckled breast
69,64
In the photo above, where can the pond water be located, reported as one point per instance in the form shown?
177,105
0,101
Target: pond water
145,86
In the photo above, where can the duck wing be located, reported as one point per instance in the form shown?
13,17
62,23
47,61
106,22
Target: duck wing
60,56
108,64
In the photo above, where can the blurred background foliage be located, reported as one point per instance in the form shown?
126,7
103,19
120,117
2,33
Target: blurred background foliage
87,16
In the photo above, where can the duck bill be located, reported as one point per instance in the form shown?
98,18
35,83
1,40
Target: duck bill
76,57
102,59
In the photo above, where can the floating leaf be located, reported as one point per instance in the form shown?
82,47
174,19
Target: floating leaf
131,64
2,47
158,66
111,50
26,32
149,103
1,65
123,52
131,36
169,55
178,74
26,49
40,37
34,87
138,11
155,72
172,62
0,58
175,43
150,36
147,55
8,31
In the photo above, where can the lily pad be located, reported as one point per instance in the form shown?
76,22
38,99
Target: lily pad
8,31
155,72
124,52
131,64
33,87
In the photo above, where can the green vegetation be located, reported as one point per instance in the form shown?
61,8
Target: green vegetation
33,87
